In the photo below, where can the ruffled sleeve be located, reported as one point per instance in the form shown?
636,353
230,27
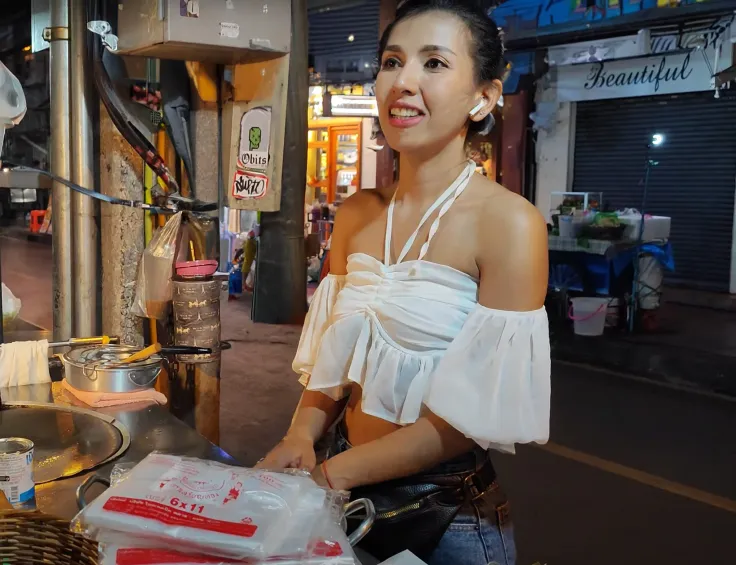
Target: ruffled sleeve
493,383
317,321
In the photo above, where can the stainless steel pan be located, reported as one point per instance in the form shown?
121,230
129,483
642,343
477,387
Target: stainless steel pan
96,368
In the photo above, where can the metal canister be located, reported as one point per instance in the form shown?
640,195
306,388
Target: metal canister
197,318
16,470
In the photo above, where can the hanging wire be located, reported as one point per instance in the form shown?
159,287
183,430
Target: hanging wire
97,195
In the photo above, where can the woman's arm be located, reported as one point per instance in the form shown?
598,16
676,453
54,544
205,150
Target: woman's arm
409,450
314,414
513,277
316,411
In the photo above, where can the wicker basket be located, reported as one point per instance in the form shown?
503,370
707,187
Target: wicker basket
34,537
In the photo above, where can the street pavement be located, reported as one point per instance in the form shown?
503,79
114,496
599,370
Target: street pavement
634,474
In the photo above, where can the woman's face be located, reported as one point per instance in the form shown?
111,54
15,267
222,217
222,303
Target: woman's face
426,84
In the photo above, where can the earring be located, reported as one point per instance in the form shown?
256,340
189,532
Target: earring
478,107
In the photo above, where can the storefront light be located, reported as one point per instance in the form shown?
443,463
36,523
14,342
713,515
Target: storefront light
350,105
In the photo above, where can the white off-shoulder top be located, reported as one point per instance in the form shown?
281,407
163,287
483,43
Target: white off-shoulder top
413,336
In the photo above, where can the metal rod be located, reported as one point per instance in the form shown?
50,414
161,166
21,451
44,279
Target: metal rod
84,226
61,165
639,241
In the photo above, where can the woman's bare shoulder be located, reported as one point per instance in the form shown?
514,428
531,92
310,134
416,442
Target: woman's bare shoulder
511,251
362,203
502,209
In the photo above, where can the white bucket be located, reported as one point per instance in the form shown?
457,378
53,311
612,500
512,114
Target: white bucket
567,226
589,315
650,282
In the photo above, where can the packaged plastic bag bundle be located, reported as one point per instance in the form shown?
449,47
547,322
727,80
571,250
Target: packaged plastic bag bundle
328,543
333,551
111,555
206,507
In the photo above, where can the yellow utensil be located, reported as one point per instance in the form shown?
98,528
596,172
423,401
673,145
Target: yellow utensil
76,341
142,354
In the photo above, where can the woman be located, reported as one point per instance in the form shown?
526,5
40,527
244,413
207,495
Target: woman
427,344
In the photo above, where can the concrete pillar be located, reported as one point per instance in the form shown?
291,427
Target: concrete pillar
204,136
121,175
555,150
281,279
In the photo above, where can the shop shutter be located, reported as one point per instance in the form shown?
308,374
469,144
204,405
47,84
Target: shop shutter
337,58
693,183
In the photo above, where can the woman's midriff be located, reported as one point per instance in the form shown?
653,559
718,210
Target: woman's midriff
359,426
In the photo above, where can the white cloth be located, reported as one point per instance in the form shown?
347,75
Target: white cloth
24,363
403,558
413,335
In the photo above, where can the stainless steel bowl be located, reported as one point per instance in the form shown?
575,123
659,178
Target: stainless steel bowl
97,368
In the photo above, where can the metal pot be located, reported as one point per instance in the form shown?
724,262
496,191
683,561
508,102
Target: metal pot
97,368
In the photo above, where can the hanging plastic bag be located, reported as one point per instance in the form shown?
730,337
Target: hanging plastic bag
153,288
11,305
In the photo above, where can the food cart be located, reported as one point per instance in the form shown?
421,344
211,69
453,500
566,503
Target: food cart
74,445
614,260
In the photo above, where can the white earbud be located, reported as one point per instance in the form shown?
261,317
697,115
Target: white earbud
478,107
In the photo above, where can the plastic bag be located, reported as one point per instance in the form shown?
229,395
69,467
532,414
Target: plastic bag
207,507
11,305
115,555
329,546
154,290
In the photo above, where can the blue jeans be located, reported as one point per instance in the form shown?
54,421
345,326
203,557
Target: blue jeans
474,537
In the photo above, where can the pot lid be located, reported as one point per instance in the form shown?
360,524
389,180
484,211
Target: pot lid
108,356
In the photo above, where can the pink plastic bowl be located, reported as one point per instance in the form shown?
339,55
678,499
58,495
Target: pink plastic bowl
203,268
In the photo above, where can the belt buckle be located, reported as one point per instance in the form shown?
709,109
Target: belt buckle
474,486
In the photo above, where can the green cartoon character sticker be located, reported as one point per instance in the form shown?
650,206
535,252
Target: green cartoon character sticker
254,137
255,128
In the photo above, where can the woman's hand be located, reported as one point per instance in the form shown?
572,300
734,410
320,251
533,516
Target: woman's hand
318,476
292,452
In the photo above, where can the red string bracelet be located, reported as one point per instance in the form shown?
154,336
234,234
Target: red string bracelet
325,475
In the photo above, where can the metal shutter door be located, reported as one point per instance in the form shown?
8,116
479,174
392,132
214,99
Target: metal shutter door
328,40
693,183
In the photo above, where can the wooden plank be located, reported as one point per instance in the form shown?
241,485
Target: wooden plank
256,84
513,157
207,400
204,80
195,397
